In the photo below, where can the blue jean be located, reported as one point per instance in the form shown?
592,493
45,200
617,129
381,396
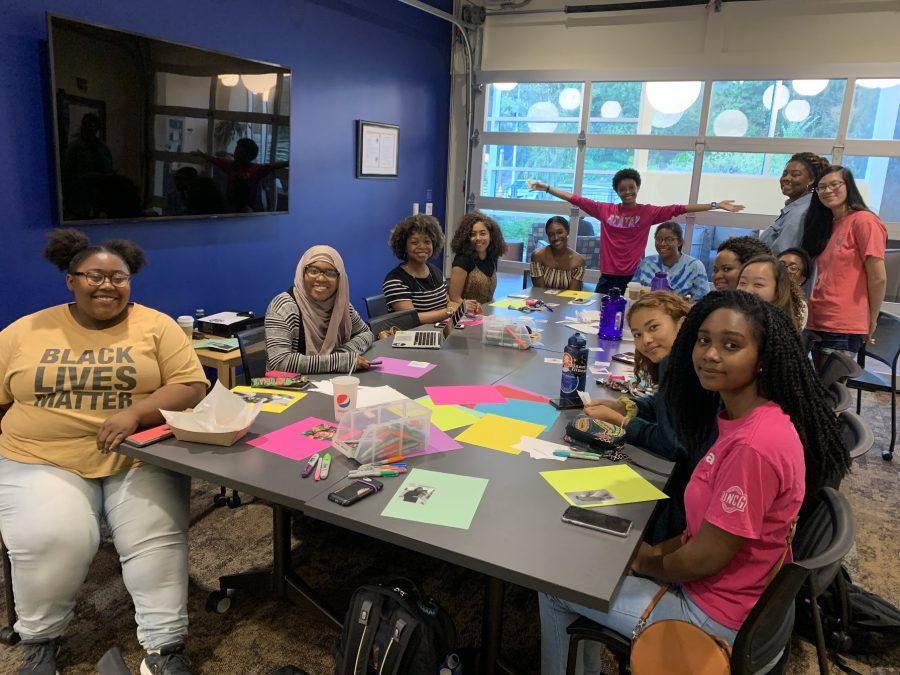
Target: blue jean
624,613
50,522
848,343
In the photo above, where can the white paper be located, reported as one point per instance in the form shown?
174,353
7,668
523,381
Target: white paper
552,360
366,396
595,349
522,296
584,327
597,370
418,364
602,364
584,396
220,412
552,291
225,318
588,315
540,449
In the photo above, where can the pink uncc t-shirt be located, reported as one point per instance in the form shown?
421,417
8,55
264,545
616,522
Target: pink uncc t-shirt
751,483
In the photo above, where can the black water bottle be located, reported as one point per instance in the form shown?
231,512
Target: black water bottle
574,369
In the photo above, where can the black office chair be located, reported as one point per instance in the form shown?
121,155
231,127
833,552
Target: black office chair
526,277
8,635
376,305
252,343
886,349
838,367
855,434
405,320
840,397
822,540
767,629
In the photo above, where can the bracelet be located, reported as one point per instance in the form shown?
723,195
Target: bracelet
631,409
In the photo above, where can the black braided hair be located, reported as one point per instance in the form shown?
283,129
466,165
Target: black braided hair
787,378
67,248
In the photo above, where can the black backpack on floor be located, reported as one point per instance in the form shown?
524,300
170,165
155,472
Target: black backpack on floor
393,629
854,620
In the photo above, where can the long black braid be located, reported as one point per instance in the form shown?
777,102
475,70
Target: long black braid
787,379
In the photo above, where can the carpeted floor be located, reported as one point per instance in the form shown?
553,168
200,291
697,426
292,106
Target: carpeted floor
258,635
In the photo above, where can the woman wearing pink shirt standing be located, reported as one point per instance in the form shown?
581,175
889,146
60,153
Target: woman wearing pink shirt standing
625,227
739,361
848,241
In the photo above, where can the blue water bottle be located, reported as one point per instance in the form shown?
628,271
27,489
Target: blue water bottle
574,369
660,282
612,315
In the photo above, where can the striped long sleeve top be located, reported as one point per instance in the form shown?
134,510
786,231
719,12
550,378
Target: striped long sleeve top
286,341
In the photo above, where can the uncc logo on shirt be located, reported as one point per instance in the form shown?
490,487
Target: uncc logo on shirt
734,499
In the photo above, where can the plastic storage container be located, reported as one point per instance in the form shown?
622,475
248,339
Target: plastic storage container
383,431
504,331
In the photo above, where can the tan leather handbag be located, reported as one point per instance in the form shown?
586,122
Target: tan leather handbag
677,647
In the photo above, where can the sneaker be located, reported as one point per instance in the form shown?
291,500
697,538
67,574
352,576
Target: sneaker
40,658
171,660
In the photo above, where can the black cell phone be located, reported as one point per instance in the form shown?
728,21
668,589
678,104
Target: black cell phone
624,357
566,404
358,489
597,520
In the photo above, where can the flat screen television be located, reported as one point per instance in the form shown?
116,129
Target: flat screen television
146,128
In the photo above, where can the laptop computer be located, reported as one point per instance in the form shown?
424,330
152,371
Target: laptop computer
429,339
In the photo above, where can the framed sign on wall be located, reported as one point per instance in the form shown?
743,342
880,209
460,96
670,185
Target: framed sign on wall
377,149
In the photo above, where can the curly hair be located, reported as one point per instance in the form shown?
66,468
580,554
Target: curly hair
67,248
788,296
787,378
461,243
671,304
815,164
804,258
417,224
622,174
819,221
744,247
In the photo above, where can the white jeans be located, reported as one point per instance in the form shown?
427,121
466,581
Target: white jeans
50,522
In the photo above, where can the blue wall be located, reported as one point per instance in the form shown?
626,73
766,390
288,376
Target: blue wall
352,59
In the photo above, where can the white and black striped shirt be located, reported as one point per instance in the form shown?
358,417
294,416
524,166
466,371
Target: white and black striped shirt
426,295
286,341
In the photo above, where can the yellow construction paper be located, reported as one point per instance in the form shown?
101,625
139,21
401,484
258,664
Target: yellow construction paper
511,303
623,482
499,433
273,400
579,295
446,417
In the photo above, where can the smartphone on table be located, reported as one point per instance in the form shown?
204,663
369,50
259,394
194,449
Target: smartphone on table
597,520
357,490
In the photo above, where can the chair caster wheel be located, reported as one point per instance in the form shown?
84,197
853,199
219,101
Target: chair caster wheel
9,637
220,500
887,455
219,602
234,501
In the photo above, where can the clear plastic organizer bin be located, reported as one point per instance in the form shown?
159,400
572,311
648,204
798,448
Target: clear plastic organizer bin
504,331
383,431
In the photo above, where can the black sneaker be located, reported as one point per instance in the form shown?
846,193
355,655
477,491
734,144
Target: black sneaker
171,660
40,658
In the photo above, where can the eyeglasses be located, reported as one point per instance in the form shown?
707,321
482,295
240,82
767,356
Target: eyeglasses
311,271
821,187
792,267
666,240
117,279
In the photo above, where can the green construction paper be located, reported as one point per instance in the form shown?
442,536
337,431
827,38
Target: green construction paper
452,502
446,417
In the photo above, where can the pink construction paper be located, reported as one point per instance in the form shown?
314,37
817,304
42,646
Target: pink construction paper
290,442
400,367
468,323
511,391
280,373
438,441
465,394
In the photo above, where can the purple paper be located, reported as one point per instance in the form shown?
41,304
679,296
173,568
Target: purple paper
438,441
400,367
290,442
470,394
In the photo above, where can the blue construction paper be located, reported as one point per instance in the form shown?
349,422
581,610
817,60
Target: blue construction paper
527,411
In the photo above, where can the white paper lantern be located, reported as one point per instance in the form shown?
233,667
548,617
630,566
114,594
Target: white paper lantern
260,84
611,110
673,97
809,87
665,120
877,84
782,96
570,98
797,110
731,123
229,80
504,86
543,110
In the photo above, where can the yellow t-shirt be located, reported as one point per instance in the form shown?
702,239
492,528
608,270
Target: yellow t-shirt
64,381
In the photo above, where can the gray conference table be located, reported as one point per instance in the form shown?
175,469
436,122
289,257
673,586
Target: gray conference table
516,535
